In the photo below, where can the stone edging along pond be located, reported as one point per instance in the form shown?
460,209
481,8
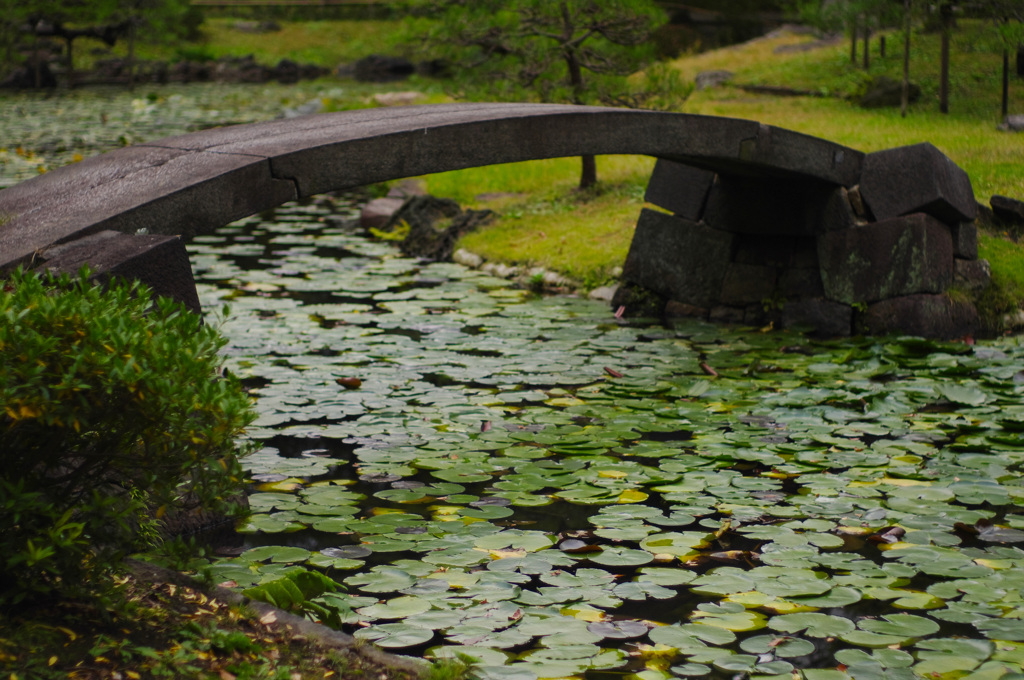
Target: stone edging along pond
279,619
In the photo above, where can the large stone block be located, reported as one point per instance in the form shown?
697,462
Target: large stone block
800,282
724,314
931,316
376,213
965,240
634,300
902,256
678,259
160,262
744,205
823,317
747,283
1008,209
917,178
765,249
805,253
679,188
838,212
971,275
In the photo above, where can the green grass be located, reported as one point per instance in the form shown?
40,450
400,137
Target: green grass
1006,256
319,42
327,43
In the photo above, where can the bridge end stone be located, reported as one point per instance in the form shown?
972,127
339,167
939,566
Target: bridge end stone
160,262
896,257
934,316
680,189
917,178
661,258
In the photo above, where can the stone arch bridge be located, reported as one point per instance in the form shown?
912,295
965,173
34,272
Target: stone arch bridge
750,222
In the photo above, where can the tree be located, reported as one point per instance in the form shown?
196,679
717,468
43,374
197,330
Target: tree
158,18
908,8
856,17
105,20
13,13
832,16
946,21
574,51
1009,18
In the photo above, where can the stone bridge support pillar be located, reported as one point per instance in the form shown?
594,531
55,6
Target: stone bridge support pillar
883,255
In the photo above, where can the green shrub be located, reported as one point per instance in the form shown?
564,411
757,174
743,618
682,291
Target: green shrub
111,411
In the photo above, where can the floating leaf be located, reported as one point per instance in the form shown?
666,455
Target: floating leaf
621,557
812,623
396,608
394,635
1002,629
782,646
618,630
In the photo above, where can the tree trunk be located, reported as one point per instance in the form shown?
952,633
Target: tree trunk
853,43
588,165
37,66
588,172
867,45
71,62
905,94
881,46
1006,84
131,53
947,14
9,35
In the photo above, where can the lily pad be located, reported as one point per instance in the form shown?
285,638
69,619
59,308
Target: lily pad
394,635
812,624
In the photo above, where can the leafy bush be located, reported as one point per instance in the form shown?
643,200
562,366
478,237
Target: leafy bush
111,410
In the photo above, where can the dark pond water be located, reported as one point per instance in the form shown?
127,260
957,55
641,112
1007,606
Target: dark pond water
556,493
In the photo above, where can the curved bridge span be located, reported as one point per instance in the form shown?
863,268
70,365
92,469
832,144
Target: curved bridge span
832,238
196,182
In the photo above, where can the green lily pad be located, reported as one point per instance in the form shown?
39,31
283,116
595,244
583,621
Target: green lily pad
394,635
812,624
781,646
1001,629
621,557
906,625
396,608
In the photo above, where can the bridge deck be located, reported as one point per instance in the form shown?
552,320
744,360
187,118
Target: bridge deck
197,182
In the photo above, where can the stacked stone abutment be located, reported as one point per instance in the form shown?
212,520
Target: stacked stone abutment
878,254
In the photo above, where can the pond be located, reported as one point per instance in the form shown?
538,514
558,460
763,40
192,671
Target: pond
554,492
